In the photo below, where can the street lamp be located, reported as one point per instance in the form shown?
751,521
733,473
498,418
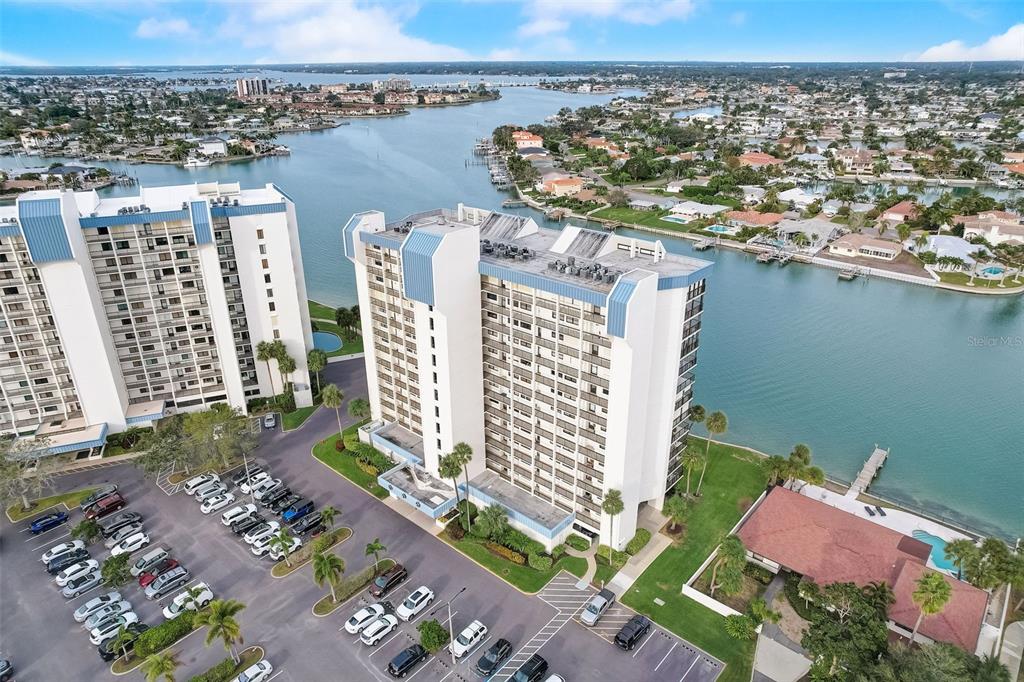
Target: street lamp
451,632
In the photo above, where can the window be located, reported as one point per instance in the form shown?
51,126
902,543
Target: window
277,333
270,293
263,249
273,306
259,233
266,279
265,263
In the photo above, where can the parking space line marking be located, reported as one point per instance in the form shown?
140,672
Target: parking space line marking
423,666
47,538
674,645
646,640
689,669
384,644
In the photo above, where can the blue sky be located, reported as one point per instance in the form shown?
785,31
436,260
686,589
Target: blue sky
140,32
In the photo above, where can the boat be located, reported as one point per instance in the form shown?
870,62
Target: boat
196,163
765,257
848,274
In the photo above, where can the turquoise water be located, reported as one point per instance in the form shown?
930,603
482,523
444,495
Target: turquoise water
675,219
938,550
326,341
790,354
993,270
720,229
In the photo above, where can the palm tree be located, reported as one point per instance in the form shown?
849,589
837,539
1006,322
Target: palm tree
690,459
450,467
328,514
931,594
282,542
464,455
160,665
220,622
316,361
286,365
977,256
612,506
123,638
879,595
376,549
676,508
731,557
332,398
717,423
493,519
359,408
328,568
265,353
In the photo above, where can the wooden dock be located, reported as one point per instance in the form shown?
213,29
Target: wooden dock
703,244
868,472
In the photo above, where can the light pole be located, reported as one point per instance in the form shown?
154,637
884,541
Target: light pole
451,632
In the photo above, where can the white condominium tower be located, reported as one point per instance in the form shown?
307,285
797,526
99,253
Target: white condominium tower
563,358
117,311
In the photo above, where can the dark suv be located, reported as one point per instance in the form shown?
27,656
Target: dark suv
239,477
632,632
388,580
532,671
243,526
406,660
62,561
309,525
495,656
109,652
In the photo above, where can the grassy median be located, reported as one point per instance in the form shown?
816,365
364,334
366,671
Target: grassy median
71,500
345,464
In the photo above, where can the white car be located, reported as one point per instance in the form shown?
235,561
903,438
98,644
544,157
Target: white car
194,484
470,636
132,543
237,513
106,613
254,480
261,531
121,534
414,603
363,617
108,630
270,421
216,503
276,554
210,490
378,629
76,570
192,599
269,485
63,548
95,604
258,672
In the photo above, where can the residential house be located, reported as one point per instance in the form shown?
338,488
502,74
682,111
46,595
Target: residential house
856,245
856,161
752,218
752,194
758,160
524,139
692,210
212,146
996,227
816,232
900,213
562,187
798,197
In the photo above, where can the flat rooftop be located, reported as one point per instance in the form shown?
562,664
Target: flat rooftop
402,437
418,484
512,497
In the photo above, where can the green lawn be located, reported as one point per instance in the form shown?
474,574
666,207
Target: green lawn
293,420
348,347
628,215
734,479
962,279
523,577
604,573
71,500
321,310
345,464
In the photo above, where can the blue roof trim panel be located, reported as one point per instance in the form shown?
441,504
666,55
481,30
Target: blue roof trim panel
132,218
618,302
418,265
684,281
282,193
347,247
9,230
552,286
252,209
201,222
44,231
381,240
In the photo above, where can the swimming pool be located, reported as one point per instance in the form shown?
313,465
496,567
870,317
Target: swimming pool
326,341
938,550
674,219
992,271
721,229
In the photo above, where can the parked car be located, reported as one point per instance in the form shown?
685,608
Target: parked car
363,617
48,522
262,545
260,532
406,660
246,486
258,672
276,554
6,670
106,613
171,580
197,482
157,570
210,490
75,570
119,521
237,513
274,497
471,635
216,503
596,607
297,511
82,584
632,632
493,658
284,503
378,629
267,486
239,476
63,548
130,544
108,630
106,506
311,524
554,677
243,526
107,650
95,604
148,560
420,599
388,580
64,560
125,531
192,599
531,671
96,496
270,421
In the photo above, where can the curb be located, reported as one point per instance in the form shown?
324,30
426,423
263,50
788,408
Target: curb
337,606
297,567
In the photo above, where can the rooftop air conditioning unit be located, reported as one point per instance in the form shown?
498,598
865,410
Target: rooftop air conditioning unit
235,203
572,260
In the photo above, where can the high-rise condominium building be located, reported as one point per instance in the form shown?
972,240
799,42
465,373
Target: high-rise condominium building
564,359
251,87
117,311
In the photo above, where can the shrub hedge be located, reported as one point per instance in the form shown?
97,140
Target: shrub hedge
759,573
639,541
578,542
161,636
218,673
619,559
505,552
540,562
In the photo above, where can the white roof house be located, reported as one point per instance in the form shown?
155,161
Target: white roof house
695,209
799,197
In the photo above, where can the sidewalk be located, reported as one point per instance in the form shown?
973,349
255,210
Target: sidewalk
591,564
1013,648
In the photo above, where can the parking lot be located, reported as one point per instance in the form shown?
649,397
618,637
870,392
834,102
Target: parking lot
38,633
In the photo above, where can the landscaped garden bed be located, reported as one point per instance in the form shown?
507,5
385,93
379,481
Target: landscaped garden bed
304,554
350,586
228,670
345,463
36,507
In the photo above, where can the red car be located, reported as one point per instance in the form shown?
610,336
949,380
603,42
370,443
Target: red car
153,573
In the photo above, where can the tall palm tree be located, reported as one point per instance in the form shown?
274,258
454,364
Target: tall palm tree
220,623
265,353
931,595
977,256
282,542
316,361
123,638
375,548
676,509
716,424
493,519
328,568
612,506
286,365
464,455
332,398
359,408
690,459
160,665
328,514
450,467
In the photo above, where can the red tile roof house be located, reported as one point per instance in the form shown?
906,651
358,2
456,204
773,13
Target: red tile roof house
900,213
758,159
827,545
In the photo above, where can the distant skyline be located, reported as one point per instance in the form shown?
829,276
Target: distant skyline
167,32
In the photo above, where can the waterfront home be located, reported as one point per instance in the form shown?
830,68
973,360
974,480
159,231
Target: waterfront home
814,160
798,197
1015,168
855,245
797,534
211,146
856,161
694,209
832,206
900,213
816,233
752,194
751,218
758,160
946,246
562,187
600,143
532,153
525,139
996,227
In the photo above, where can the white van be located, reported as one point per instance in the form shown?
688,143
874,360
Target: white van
148,560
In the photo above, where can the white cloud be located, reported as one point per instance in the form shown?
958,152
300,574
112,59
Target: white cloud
545,17
163,28
738,18
1007,46
12,59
